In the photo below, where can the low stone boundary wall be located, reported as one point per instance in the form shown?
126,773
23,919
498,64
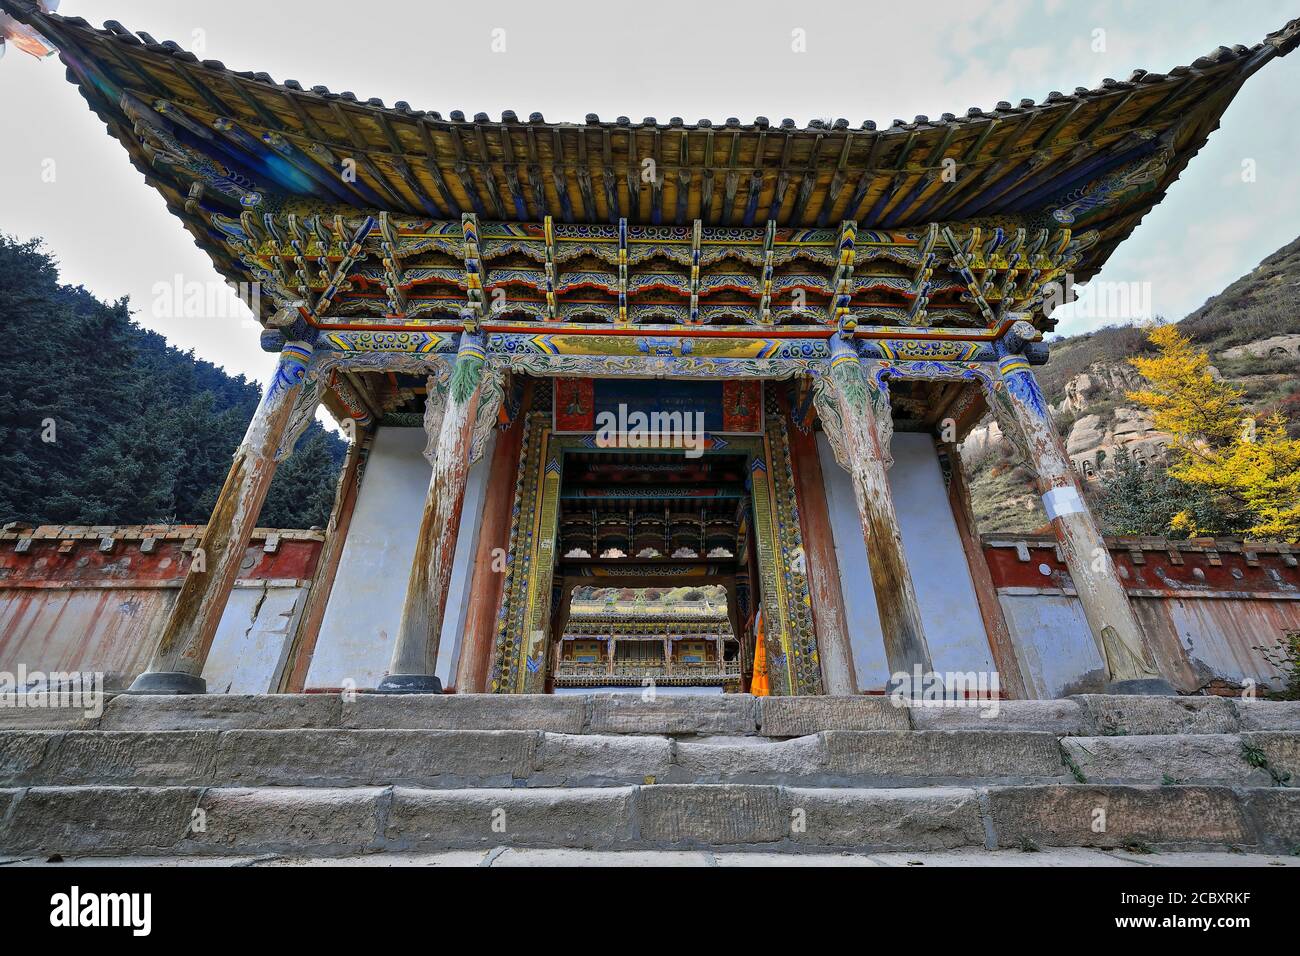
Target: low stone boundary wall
79,599
1207,607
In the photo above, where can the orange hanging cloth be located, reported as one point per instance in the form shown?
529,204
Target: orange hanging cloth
759,686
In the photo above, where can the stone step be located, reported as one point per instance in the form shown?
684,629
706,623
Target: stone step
337,821
1253,758
505,758
518,758
502,857
717,715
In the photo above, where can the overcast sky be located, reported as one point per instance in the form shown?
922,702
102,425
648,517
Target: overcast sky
863,60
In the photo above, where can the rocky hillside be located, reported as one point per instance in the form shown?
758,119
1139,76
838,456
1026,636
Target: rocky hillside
1252,331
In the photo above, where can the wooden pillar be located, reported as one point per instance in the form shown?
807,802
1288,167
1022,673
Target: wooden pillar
559,655
177,664
834,647
490,559
415,653
1010,679
856,415
1110,617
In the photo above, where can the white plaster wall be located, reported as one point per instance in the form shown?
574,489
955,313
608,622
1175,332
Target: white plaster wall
950,614
365,606
1053,644
1222,637
114,631
252,641
462,572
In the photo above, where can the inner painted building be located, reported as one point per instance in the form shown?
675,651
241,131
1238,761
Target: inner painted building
648,402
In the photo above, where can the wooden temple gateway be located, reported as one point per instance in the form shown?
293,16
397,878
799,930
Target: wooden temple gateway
648,401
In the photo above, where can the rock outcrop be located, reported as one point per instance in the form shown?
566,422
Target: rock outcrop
1276,346
1095,440
1098,384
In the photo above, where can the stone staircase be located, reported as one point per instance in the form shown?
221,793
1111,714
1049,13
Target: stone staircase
321,775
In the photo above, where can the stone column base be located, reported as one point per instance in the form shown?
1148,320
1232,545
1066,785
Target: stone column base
168,682
409,684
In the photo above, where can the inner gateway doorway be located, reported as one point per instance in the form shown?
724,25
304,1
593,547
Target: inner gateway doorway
653,576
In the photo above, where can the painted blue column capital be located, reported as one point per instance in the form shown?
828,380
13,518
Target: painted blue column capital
291,370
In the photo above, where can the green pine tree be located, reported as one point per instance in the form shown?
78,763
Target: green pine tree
102,422
1142,499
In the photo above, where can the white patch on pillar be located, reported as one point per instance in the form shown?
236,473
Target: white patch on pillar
1062,501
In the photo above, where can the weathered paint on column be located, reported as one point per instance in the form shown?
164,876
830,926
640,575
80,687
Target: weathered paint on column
183,648
856,413
489,561
415,654
833,645
1110,617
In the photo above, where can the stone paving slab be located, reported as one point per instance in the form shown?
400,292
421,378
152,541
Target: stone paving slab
22,752
1058,717
1164,759
925,818
221,711
1083,715
557,714
385,859
1269,714
477,758
1275,815
1121,715
601,760
513,856
1115,816
978,856
570,817
944,755
375,757
306,821
47,718
761,760
799,716
128,758
766,860
723,815
1281,748
632,714
96,819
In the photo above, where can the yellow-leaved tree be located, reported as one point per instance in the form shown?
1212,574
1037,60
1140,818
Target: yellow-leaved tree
1251,466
